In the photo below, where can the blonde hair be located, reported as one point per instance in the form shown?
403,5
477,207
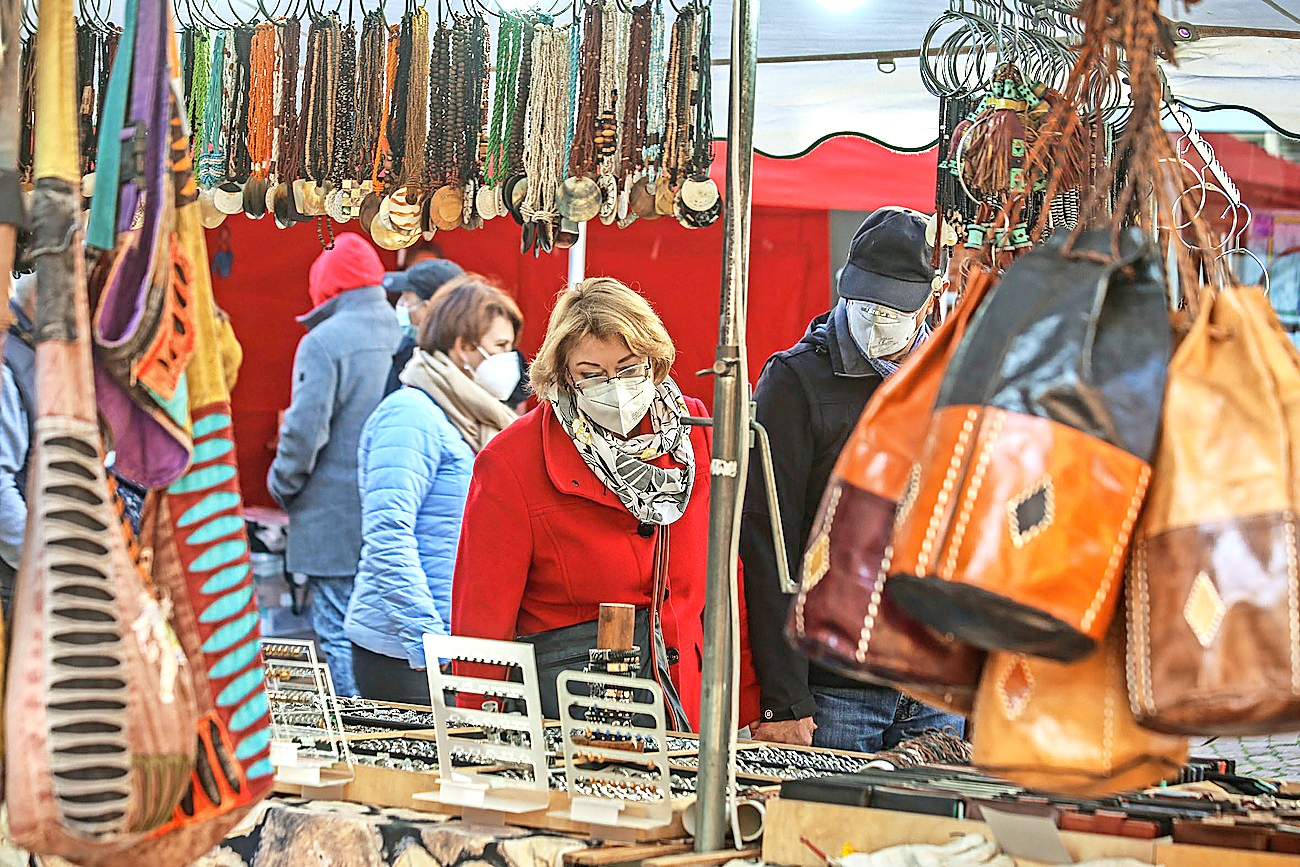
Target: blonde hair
601,307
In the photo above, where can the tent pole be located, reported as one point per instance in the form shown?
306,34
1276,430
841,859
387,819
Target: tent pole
730,439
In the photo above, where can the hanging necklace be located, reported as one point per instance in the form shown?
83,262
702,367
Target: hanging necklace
200,82
212,152
547,126
237,133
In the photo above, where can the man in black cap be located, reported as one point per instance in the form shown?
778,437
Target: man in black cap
413,288
809,398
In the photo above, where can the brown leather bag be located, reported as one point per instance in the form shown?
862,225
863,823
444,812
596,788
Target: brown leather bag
843,617
1067,727
1214,594
1013,531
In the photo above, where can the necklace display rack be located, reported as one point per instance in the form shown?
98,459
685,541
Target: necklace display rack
295,113
508,723
308,744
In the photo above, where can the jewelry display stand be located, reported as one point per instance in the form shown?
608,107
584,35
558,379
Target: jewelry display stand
510,735
308,748
615,760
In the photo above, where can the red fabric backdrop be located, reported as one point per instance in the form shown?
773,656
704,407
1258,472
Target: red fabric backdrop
679,271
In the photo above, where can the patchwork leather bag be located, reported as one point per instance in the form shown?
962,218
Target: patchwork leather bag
843,616
98,703
1067,727
1014,526
1213,583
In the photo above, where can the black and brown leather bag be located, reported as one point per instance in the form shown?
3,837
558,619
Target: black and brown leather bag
1067,727
843,617
1213,583
1014,526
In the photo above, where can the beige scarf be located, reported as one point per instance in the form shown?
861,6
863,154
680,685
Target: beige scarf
476,414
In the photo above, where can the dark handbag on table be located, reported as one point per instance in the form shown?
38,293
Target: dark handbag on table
1013,532
843,617
566,648
1213,583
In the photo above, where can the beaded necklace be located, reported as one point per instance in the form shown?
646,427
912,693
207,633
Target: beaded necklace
582,155
575,40
237,132
523,82
344,164
632,139
702,93
437,142
288,161
200,82
397,98
417,98
261,116
212,157
547,123
371,64
320,94
480,42
509,52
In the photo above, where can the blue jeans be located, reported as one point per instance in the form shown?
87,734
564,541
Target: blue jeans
874,718
329,608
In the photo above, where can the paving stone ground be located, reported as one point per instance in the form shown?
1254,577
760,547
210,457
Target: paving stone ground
1270,756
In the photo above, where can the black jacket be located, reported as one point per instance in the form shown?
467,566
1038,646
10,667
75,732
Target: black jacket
809,398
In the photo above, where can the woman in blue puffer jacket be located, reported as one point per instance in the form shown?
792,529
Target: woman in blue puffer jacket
414,462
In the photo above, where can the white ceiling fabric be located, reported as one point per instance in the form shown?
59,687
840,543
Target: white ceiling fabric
800,103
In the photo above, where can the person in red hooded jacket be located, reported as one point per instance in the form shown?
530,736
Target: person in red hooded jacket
339,372
565,505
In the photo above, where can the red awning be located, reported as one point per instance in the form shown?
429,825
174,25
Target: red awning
848,173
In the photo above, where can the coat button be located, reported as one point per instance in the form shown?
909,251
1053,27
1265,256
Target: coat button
767,714
673,656
576,483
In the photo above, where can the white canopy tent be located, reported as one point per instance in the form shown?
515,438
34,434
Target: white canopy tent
1247,56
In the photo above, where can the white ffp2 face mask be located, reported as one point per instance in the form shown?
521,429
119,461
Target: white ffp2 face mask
617,405
498,374
880,331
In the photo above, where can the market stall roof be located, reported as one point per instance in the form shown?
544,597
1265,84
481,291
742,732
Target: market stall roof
814,81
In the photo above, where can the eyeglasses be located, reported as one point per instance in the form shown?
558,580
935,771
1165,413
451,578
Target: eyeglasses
628,374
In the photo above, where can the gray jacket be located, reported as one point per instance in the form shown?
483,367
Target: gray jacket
339,372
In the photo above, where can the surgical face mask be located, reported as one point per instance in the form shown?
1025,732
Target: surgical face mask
619,404
404,319
880,332
498,374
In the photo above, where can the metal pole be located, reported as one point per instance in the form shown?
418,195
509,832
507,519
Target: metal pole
730,439
578,257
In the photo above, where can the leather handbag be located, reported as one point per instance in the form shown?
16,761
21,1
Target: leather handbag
566,648
843,616
1066,726
99,703
1013,529
1213,588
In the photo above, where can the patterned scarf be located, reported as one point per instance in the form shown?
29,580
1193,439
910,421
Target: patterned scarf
654,495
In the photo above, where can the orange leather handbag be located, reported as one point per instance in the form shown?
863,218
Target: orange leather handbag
843,617
1067,727
1014,526
1214,594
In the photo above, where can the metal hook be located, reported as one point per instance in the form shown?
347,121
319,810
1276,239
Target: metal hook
1263,269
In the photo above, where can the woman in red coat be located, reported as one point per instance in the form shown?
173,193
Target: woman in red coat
565,504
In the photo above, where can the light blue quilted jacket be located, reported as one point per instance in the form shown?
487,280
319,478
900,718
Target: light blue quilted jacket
414,468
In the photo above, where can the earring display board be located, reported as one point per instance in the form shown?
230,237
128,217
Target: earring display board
508,719
308,746
615,761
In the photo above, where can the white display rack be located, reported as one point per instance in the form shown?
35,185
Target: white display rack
508,722
615,761
308,747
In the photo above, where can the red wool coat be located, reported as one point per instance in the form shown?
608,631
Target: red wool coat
543,543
